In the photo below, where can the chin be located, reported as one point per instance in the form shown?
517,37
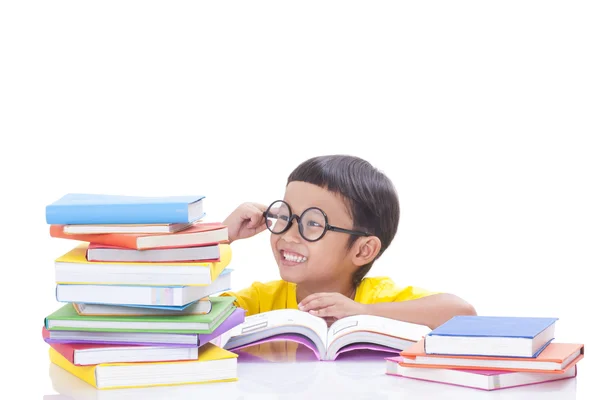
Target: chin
287,276
290,275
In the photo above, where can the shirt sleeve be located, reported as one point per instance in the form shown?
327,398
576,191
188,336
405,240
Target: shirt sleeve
247,299
261,297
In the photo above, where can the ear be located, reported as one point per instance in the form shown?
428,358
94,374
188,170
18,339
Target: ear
365,249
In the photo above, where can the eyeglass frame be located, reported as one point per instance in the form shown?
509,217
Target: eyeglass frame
297,217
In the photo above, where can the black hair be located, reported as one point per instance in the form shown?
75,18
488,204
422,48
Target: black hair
369,195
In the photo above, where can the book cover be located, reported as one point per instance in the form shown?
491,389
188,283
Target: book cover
485,326
83,208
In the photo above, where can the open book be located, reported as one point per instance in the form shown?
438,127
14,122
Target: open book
351,333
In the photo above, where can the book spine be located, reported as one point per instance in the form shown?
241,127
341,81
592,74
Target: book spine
65,350
85,373
156,213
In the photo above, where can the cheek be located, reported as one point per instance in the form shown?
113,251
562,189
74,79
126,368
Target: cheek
328,253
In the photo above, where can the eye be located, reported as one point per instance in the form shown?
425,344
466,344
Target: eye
314,224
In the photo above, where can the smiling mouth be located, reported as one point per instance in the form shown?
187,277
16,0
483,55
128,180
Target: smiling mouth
290,259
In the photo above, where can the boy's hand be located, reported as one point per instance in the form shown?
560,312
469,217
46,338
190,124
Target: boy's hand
245,221
331,306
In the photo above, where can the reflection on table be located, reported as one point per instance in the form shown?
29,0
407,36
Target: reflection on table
287,369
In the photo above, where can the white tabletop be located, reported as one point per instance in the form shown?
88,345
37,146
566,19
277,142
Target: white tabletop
286,370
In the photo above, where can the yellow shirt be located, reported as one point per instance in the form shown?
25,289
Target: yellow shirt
276,295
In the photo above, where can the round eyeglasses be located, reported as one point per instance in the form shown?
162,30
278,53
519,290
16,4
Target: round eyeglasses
312,223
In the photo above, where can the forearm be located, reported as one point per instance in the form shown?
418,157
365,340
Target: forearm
431,311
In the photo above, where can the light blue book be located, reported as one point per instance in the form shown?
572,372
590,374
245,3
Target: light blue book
79,208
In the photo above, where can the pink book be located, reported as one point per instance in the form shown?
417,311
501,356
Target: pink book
477,379
357,332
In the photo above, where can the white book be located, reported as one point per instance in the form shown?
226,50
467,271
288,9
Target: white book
177,296
93,353
73,267
350,333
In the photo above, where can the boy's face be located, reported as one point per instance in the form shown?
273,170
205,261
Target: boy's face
320,263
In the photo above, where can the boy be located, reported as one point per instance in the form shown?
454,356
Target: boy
338,215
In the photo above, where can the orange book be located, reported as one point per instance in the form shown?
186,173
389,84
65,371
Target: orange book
196,235
556,358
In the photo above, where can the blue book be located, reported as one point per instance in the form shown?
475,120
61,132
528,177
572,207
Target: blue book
78,208
491,336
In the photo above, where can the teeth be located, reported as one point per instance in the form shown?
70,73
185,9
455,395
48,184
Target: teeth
293,257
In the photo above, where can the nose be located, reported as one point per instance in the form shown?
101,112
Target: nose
293,233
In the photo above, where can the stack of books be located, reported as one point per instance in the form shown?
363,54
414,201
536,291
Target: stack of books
140,292
489,353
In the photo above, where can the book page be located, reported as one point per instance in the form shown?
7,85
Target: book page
277,322
380,325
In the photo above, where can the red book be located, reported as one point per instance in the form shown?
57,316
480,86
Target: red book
197,235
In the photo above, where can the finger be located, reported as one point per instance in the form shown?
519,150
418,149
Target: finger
318,303
313,296
258,229
256,217
330,311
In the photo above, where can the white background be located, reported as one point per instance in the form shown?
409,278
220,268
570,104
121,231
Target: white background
485,116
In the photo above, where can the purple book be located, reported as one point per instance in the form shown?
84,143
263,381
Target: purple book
477,379
145,338
358,332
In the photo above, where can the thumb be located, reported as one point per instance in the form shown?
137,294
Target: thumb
260,228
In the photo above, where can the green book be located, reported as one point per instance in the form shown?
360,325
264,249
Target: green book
67,319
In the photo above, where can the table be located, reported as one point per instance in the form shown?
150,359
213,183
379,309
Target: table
287,370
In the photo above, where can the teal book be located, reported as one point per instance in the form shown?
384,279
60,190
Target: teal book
67,319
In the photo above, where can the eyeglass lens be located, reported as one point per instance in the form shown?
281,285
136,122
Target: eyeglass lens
311,225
